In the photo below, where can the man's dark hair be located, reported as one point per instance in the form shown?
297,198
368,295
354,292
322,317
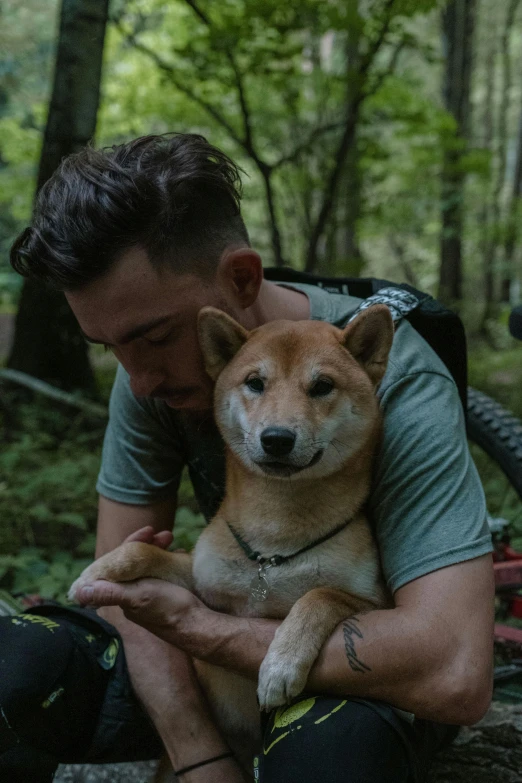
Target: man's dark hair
176,196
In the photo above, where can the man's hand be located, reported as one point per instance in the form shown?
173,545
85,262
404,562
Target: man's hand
146,535
152,603
164,609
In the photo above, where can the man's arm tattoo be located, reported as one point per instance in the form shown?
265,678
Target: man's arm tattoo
351,633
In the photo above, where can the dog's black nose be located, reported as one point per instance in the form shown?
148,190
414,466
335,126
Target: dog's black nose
277,441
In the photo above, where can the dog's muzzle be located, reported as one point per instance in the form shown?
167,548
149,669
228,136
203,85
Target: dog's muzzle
277,468
278,445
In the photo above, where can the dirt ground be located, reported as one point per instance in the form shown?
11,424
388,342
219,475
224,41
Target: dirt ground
137,772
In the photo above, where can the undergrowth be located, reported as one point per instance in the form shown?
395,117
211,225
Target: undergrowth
48,503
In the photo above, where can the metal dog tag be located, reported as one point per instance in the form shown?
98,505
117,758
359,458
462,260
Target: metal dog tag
259,587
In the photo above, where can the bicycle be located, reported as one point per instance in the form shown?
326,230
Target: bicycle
498,434
496,430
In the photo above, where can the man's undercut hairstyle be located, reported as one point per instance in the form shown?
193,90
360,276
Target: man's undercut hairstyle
175,196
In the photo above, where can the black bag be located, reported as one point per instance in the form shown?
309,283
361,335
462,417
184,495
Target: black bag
441,328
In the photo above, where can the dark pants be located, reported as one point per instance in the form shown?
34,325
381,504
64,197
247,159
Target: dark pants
65,697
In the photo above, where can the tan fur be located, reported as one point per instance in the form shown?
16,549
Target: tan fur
278,512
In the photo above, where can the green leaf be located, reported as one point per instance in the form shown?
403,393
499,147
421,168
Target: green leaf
188,520
41,512
49,587
59,571
71,518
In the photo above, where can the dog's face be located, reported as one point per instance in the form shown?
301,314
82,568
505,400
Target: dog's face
296,398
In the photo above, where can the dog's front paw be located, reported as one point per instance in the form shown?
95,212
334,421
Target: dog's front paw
129,561
281,678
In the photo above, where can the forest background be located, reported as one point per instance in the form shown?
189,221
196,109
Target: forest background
378,138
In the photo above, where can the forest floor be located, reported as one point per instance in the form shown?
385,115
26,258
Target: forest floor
137,772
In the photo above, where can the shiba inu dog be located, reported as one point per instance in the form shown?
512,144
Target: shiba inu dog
295,403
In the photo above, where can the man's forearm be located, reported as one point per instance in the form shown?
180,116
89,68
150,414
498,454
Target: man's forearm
151,661
387,655
162,676
164,681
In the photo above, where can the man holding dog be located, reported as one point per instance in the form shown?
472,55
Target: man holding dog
140,238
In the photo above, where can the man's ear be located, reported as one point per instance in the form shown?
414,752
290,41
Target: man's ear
369,339
220,338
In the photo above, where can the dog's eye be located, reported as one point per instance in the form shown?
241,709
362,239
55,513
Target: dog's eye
321,389
255,384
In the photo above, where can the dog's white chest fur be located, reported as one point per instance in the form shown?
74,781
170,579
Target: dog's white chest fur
224,576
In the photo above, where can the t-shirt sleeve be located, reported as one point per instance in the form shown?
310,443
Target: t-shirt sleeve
142,457
427,501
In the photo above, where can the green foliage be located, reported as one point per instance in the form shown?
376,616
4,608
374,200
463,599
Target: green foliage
47,498
48,502
412,7
187,528
260,79
497,371
203,67
502,500
32,572
27,33
499,374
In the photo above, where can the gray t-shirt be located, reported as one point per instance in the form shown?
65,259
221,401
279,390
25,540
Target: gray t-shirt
427,504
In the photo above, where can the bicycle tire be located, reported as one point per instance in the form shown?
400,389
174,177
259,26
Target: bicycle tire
498,432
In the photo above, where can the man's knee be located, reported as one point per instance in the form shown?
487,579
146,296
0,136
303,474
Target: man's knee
330,739
67,694
52,682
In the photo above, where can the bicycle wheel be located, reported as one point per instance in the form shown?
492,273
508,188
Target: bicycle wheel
496,447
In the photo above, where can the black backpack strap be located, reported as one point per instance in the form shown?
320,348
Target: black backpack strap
360,287
399,302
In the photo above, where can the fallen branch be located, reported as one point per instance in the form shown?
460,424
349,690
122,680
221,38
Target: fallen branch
41,387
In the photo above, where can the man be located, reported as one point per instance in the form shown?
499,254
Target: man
140,238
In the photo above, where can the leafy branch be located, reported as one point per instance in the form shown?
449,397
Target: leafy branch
169,70
379,78
313,137
347,139
245,137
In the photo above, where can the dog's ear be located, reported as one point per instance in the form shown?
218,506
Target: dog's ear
220,338
369,338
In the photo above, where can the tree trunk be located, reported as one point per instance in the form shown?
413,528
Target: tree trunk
498,206
457,30
266,173
487,233
345,210
512,231
330,193
350,258
341,254
47,341
348,249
